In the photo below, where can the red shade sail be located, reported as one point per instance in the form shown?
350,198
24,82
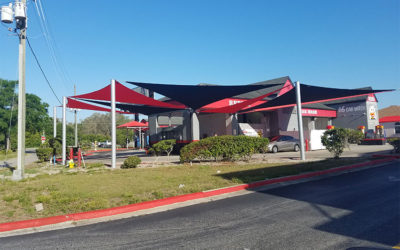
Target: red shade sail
74,104
125,95
239,106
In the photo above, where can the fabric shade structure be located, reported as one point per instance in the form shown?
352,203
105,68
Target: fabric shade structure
311,94
239,106
132,108
125,95
75,104
134,124
197,96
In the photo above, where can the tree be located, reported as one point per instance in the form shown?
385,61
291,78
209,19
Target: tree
335,140
8,112
97,127
37,119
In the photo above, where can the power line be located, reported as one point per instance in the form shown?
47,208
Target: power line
40,67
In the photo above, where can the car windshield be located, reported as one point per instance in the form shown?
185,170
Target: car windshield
275,138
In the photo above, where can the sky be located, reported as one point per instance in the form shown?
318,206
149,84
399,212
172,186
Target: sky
341,43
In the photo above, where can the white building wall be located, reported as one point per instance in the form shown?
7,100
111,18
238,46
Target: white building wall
389,130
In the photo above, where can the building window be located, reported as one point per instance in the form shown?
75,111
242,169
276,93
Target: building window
397,127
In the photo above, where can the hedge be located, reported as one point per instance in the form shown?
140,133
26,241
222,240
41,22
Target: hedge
44,154
226,147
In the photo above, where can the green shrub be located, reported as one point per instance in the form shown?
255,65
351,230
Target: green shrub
335,141
56,145
44,154
354,136
164,146
225,147
396,144
131,162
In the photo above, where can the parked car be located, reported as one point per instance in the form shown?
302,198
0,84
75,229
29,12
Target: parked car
283,143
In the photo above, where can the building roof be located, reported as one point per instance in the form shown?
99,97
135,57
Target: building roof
317,106
280,82
389,119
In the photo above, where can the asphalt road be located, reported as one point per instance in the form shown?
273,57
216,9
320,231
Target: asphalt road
358,210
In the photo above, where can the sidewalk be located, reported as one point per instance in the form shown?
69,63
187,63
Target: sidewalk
30,157
364,151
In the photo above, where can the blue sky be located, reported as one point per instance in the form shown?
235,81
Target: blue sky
343,44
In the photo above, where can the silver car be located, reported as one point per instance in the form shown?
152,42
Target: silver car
283,143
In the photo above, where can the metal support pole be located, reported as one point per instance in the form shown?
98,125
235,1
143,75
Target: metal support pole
76,122
18,173
54,121
140,138
64,131
300,121
113,127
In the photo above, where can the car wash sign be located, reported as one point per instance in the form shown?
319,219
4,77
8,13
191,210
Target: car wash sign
318,112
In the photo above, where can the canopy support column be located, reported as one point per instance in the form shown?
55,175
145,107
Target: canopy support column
113,127
140,138
300,121
64,131
195,127
54,122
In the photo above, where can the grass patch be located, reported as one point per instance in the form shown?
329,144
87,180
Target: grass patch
83,191
9,155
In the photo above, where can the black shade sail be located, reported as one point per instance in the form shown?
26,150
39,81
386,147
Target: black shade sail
132,108
197,96
312,94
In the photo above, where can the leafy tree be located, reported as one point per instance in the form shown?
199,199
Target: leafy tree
335,140
97,127
8,105
164,146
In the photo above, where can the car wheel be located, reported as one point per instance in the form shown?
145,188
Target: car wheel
296,148
275,149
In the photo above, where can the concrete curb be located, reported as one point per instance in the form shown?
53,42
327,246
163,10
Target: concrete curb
18,225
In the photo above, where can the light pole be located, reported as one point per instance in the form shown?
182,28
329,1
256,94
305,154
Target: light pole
300,121
8,13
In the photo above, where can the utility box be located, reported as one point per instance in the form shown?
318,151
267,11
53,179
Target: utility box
20,11
7,14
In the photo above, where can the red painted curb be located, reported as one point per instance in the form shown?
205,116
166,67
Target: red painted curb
388,156
10,226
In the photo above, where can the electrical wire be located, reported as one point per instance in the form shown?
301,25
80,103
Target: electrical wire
51,45
41,69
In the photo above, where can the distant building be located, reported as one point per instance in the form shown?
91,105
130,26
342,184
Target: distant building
391,126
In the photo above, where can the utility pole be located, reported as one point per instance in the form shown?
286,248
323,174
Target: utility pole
20,16
76,123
